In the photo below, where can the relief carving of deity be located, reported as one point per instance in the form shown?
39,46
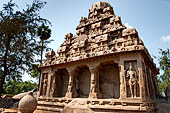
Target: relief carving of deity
44,84
93,87
53,84
132,79
71,85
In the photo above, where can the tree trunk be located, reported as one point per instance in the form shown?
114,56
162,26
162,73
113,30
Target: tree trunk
41,61
42,49
2,80
4,73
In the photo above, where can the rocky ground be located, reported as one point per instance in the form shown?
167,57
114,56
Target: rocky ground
9,102
163,105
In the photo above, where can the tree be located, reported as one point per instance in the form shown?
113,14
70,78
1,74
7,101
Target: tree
44,33
35,71
164,62
18,38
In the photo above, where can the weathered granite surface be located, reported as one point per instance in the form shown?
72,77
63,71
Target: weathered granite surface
103,68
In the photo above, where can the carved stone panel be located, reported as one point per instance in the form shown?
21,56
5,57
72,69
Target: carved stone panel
132,79
44,83
52,92
145,79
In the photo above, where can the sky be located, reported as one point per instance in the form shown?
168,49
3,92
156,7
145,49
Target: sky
151,18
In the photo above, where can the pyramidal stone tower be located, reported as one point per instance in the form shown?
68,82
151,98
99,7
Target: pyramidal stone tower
104,67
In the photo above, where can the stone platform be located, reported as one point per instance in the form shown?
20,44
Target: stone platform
94,105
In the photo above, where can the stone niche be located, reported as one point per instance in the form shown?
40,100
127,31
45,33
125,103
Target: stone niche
62,77
104,67
109,80
82,80
132,79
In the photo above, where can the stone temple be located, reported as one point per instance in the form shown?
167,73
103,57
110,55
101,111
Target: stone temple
103,68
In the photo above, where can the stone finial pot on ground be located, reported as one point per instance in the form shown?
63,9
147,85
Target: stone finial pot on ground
28,103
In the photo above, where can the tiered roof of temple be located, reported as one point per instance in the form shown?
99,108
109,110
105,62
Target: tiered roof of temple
102,33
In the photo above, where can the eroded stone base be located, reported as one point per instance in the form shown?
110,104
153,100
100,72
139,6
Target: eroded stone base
86,105
76,110
44,111
83,110
71,95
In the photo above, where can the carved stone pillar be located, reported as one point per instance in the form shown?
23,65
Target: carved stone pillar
50,87
153,89
52,83
40,86
123,93
43,84
71,90
94,91
141,80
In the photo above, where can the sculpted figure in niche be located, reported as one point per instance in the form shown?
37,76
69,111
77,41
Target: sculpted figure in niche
71,87
53,84
93,84
53,88
44,84
132,80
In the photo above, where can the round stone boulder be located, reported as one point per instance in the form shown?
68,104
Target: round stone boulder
28,103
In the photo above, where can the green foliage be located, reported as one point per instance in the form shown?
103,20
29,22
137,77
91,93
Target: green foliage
18,38
44,32
43,44
164,78
15,87
35,72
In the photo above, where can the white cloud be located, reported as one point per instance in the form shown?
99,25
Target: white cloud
128,25
165,38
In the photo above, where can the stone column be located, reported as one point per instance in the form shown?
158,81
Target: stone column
71,91
94,91
141,80
44,84
40,85
156,84
48,84
152,86
123,92
52,83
